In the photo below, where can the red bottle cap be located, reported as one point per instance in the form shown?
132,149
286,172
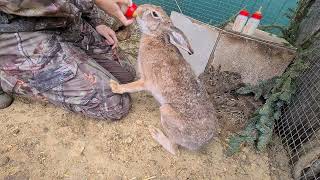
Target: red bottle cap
244,12
130,11
257,15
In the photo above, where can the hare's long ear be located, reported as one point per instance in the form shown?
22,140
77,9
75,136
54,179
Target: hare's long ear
178,39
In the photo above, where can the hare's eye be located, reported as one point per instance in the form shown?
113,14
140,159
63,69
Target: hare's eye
155,14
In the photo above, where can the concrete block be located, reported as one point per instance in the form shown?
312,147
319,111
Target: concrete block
253,59
202,40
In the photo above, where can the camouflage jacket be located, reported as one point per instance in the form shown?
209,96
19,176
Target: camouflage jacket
34,15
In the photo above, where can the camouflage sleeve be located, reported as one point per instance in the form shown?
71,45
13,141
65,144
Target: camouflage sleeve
91,13
36,8
57,8
96,17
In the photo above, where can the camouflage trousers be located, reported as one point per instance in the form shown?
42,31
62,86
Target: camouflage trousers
70,72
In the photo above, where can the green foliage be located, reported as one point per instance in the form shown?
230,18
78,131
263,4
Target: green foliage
291,33
248,136
277,92
262,89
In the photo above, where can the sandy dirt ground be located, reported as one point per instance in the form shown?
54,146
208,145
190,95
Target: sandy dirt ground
40,141
44,142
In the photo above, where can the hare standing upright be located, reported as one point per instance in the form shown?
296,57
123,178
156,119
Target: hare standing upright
187,116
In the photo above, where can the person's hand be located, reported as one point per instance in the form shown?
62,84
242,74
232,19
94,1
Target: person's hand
112,7
109,34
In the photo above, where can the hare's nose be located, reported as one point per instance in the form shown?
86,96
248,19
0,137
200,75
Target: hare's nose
138,11
191,52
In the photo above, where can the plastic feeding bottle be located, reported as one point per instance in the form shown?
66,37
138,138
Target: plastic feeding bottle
129,11
241,20
253,23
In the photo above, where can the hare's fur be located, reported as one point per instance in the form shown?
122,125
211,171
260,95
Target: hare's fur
187,116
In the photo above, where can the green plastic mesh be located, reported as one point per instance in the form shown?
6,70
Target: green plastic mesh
216,12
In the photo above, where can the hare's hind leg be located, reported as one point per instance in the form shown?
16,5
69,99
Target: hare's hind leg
127,88
163,140
169,120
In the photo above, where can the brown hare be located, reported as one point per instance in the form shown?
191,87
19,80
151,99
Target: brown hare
187,116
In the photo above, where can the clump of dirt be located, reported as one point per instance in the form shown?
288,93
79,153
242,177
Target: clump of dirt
233,111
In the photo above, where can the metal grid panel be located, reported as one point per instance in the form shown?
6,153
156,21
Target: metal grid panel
216,12
299,126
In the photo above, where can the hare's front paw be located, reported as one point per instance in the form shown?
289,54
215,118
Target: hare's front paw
115,87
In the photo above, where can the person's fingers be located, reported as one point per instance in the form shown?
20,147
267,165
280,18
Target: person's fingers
123,19
129,21
108,43
108,38
114,46
108,34
113,36
127,2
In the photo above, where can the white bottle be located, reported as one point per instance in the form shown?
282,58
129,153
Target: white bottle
241,20
253,23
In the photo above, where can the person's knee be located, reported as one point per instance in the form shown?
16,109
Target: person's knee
5,100
128,75
117,107
127,79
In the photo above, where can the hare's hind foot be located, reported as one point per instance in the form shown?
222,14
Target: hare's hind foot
163,140
126,88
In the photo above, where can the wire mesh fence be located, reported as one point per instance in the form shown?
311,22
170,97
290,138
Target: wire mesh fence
299,127
216,12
